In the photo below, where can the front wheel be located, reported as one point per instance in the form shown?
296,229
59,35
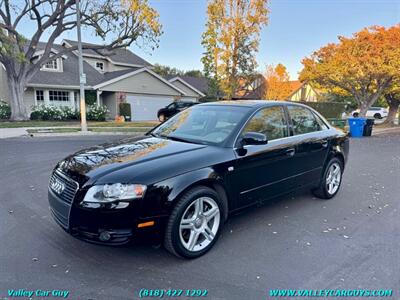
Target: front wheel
195,223
331,179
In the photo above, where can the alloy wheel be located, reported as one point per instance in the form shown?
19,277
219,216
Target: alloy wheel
199,224
333,178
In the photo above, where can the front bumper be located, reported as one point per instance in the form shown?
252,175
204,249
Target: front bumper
103,224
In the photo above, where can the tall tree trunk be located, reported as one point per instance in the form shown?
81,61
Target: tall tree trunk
18,108
363,109
393,103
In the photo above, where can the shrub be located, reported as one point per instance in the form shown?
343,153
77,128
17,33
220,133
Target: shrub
5,110
45,113
69,113
53,113
96,113
90,97
65,113
125,110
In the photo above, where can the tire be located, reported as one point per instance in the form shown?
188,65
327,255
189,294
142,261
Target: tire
178,239
356,114
377,116
325,190
161,118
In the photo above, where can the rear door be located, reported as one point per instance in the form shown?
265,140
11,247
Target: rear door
264,171
311,139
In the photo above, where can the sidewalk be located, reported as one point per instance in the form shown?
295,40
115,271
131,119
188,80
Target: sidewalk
12,132
378,131
58,131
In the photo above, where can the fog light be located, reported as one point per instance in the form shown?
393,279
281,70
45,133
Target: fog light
104,236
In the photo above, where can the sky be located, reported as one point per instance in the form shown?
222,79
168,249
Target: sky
295,29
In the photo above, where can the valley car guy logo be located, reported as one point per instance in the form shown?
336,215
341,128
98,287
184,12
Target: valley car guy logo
37,293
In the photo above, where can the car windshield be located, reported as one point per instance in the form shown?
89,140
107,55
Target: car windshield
204,124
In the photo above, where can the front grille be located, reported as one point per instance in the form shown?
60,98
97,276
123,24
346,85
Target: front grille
70,187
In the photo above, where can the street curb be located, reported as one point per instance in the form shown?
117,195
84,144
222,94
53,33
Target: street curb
89,133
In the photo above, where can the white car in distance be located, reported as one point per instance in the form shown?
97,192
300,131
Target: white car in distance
375,112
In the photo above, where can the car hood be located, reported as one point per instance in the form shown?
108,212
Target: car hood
137,155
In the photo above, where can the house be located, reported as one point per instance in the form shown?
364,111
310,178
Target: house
305,92
293,90
116,76
251,90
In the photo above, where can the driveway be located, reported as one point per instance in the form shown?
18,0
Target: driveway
295,242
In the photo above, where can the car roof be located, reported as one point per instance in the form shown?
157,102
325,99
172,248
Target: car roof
247,103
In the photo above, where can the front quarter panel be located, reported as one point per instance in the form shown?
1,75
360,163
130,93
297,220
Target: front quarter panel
162,196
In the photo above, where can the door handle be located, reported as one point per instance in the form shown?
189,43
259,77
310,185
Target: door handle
290,152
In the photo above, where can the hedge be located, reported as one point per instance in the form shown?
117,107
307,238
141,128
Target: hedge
65,113
332,110
5,110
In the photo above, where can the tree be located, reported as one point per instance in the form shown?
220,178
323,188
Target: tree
164,71
363,66
231,40
392,97
278,85
172,71
120,22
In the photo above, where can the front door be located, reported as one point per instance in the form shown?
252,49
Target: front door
263,171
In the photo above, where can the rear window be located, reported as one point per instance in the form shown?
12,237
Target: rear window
303,120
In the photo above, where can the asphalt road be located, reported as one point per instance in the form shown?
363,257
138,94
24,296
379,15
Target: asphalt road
295,242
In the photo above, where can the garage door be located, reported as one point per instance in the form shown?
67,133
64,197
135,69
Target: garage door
145,108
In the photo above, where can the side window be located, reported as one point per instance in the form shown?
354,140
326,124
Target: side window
269,121
303,120
321,122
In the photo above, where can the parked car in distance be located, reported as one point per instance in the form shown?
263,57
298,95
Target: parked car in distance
172,109
182,181
375,112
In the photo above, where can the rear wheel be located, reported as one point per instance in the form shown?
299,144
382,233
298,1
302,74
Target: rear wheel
377,116
195,223
331,179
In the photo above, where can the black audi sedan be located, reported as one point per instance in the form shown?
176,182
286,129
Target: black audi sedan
182,180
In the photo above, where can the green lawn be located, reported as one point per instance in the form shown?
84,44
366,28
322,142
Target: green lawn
18,124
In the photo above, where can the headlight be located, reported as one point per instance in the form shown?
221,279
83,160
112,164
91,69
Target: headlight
114,192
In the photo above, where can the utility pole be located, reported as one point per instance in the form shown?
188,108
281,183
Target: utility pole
82,76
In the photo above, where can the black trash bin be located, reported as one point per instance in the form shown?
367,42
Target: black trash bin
368,127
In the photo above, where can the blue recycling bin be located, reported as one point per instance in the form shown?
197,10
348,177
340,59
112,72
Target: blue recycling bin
357,126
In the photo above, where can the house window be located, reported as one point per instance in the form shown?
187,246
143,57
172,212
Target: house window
39,97
100,66
59,96
51,65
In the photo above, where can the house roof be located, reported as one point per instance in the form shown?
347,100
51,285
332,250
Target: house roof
119,76
117,56
198,83
69,76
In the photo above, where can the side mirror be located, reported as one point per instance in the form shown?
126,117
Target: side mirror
254,138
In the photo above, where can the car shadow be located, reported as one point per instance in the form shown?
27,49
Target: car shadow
151,252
